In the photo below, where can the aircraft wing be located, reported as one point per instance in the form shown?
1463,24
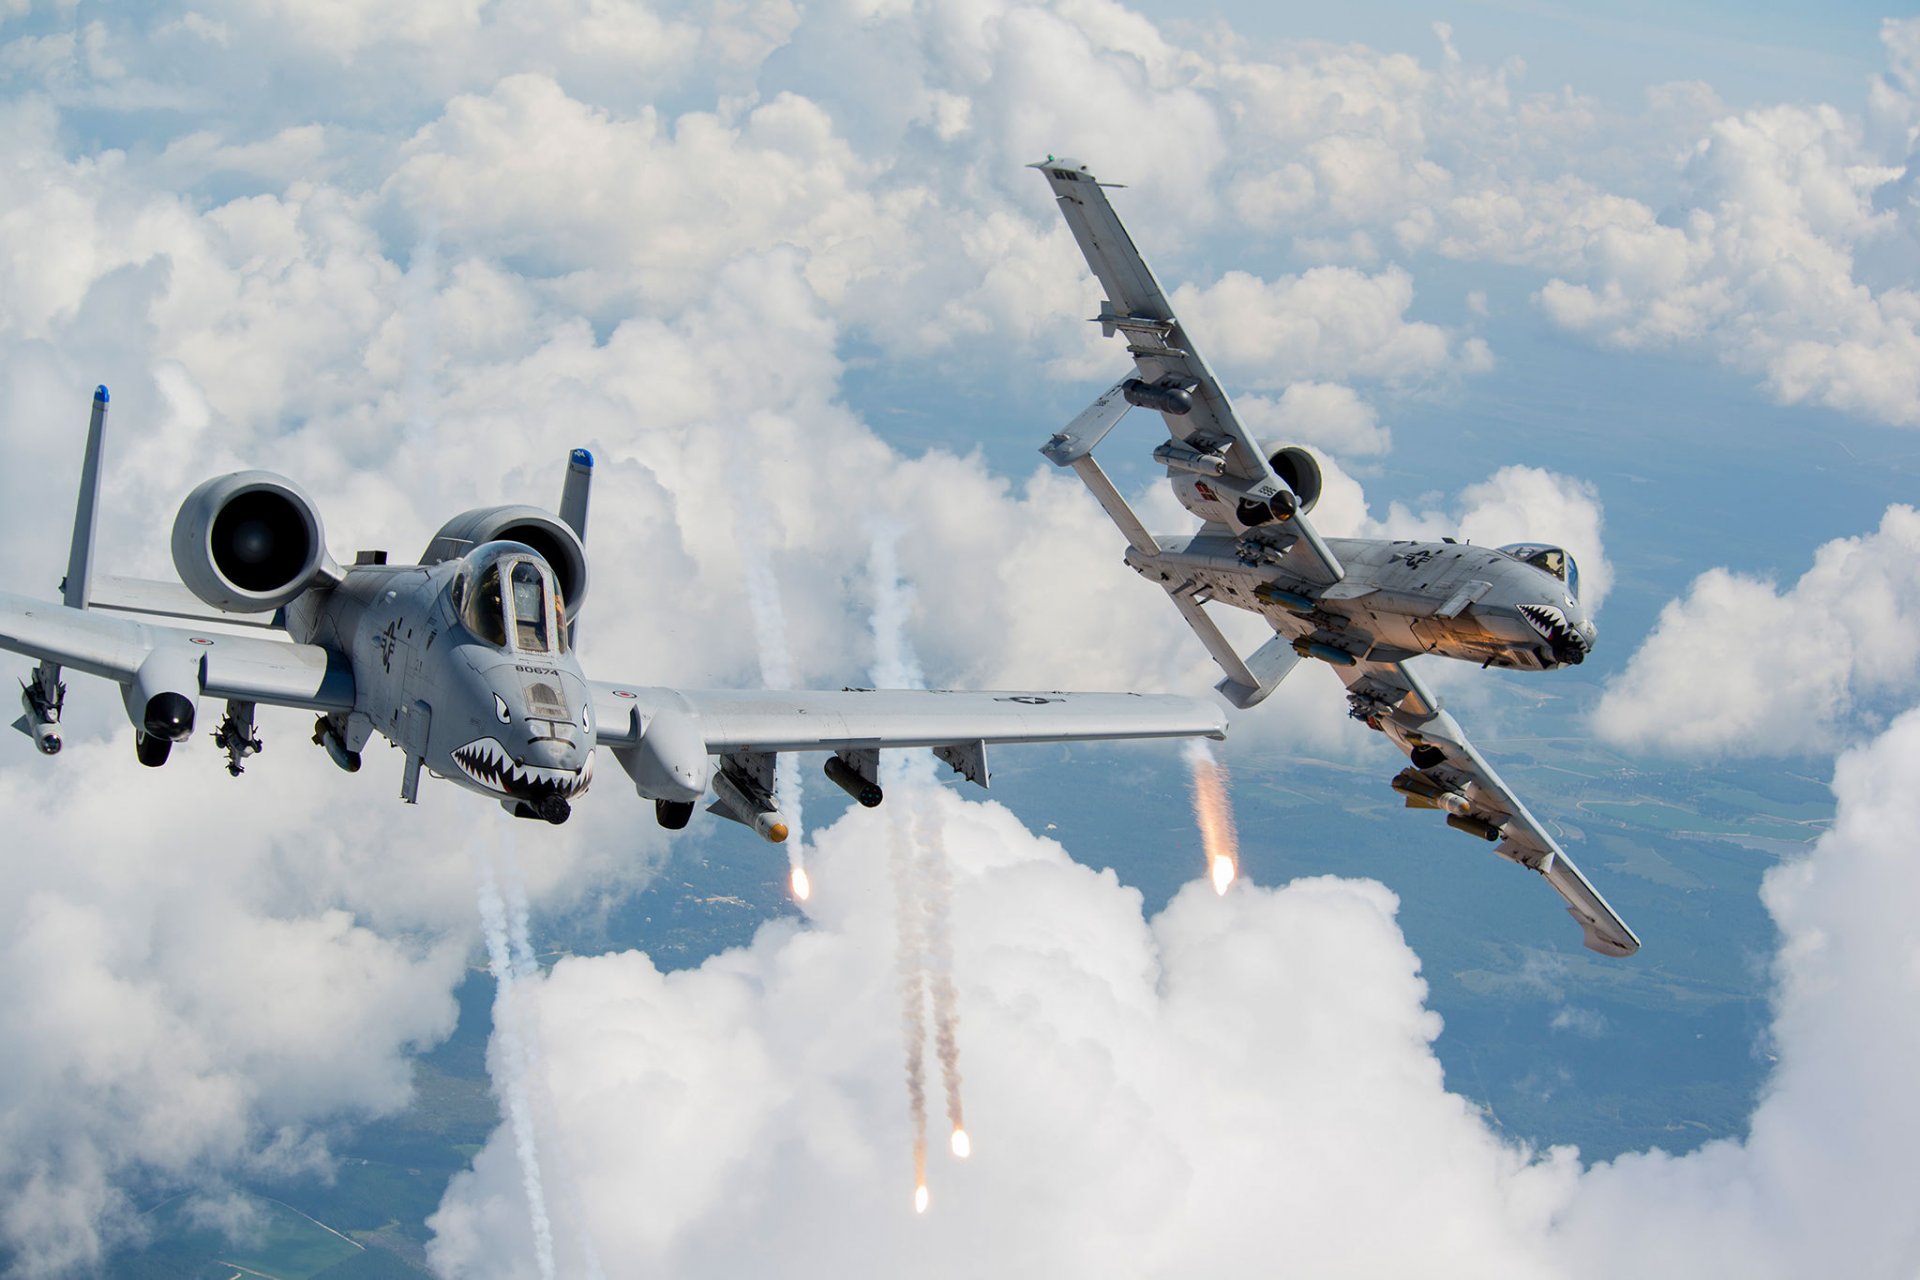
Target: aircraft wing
249,668
732,720
1449,775
1163,353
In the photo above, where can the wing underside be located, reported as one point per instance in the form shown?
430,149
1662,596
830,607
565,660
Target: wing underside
1446,773
240,667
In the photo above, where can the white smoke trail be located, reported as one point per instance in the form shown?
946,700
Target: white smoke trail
776,672
894,668
894,665
524,965
510,1083
936,883
922,885
913,997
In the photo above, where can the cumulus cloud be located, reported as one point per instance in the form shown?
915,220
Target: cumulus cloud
1144,1093
1742,666
1326,414
1329,323
191,1001
1125,1107
1766,269
1812,1185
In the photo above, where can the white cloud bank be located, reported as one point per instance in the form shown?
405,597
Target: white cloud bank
1741,666
1235,1084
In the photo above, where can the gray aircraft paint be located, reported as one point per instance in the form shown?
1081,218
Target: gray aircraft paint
1363,606
485,693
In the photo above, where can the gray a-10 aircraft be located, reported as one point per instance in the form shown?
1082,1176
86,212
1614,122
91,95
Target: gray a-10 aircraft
465,662
1365,606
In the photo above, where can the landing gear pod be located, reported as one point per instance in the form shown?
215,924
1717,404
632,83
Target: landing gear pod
159,700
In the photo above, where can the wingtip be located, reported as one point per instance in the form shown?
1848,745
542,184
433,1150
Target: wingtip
582,458
100,394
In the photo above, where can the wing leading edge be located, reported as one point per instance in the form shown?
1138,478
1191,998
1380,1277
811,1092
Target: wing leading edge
731,720
1164,354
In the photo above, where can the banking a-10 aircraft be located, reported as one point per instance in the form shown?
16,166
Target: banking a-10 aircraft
465,662
1364,606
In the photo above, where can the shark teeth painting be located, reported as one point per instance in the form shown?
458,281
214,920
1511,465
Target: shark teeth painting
487,763
1553,626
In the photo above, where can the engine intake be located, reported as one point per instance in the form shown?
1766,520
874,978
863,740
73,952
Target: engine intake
546,533
250,542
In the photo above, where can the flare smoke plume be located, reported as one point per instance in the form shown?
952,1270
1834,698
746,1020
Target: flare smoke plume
937,883
1214,813
922,885
506,923
776,672
513,1060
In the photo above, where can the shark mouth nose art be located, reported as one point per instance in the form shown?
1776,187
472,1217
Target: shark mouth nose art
1567,642
487,763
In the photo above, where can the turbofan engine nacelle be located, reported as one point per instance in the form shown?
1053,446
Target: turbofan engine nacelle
1293,488
1300,472
546,533
250,542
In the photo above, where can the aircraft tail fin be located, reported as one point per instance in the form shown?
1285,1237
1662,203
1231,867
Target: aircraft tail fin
77,589
578,488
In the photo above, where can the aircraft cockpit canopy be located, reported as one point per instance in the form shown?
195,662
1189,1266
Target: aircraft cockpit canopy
506,596
1553,559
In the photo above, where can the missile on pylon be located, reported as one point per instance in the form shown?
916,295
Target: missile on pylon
746,804
35,724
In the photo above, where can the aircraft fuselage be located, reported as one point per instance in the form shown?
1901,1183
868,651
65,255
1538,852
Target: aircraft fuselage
496,718
1397,598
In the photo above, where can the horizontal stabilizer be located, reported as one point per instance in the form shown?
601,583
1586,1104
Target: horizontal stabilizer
1268,666
1216,642
1080,436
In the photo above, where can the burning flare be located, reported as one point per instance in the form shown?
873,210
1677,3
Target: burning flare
802,886
962,1144
1223,872
1215,816
920,1198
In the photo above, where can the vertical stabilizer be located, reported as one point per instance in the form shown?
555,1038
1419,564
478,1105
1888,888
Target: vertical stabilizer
78,588
573,498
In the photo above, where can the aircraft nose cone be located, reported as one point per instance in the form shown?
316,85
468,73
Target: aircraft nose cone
549,753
